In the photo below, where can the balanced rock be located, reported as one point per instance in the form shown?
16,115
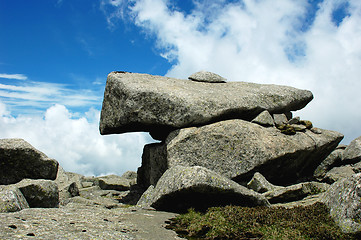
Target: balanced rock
11,199
237,149
204,76
343,199
19,160
155,104
181,188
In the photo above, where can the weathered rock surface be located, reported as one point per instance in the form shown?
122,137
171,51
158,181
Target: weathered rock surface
114,182
280,119
204,76
295,192
40,193
183,187
142,102
11,199
260,184
68,184
328,163
79,221
344,200
338,173
307,201
352,152
237,149
264,119
19,160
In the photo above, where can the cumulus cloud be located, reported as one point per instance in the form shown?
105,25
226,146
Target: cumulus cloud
297,43
75,141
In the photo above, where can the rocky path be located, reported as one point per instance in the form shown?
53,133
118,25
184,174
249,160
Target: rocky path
78,221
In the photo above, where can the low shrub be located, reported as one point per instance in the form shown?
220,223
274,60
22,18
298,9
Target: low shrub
234,222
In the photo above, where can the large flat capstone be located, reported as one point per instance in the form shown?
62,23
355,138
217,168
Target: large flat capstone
155,104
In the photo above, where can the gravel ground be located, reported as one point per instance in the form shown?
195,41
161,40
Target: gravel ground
79,221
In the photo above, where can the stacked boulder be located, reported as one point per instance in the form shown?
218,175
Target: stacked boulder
29,179
224,142
229,129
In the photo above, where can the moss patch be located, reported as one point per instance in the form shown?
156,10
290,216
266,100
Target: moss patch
233,222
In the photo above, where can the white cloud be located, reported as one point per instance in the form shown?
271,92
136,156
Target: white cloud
75,141
41,95
13,76
262,41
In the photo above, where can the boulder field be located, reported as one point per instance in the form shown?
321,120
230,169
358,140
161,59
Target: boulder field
219,143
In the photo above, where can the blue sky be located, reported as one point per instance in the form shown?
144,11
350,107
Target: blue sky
55,56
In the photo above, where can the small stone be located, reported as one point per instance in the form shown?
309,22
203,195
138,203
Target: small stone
260,184
264,119
294,120
307,123
280,119
316,130
204,76
298,128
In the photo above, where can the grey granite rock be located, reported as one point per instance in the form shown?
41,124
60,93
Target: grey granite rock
295,120
352,152
11,199
68,184
204,76
264,119
295,192
237,149
142,102
260,184
338,173
19,160
280,119
344,201
328,163
114,182
39,193
181,188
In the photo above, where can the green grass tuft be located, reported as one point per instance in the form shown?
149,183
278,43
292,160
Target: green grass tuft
233,222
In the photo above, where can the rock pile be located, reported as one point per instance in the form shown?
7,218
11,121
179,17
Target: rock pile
219,138
32,180
55,204
220,143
